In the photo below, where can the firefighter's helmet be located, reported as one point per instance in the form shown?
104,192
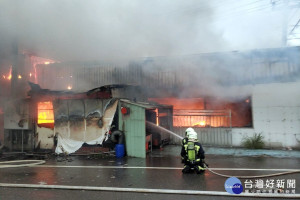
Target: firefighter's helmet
192,135
188,130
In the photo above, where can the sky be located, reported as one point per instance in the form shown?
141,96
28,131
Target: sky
77,30
258,23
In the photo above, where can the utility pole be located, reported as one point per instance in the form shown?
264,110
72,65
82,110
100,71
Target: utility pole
296,25
286,7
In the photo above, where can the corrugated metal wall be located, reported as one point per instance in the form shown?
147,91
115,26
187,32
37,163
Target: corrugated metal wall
208,136
133,125
202,118
82,77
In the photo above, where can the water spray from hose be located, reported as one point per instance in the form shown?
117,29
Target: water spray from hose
153,126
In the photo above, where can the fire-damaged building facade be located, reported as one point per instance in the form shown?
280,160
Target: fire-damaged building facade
65,122
225,97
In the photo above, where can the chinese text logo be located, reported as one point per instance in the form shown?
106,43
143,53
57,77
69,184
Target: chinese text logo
233,185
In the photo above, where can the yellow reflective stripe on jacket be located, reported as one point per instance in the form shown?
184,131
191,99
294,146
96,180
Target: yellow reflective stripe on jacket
197,148
185,147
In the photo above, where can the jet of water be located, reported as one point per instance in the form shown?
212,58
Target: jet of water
159,128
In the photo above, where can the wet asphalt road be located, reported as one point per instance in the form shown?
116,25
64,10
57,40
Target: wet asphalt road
135,178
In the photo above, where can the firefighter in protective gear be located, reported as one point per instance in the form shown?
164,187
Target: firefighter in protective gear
192,154
185,139
187,132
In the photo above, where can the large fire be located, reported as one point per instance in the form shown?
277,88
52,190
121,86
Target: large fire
45,113
209,112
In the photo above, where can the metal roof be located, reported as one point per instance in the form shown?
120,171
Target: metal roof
145,105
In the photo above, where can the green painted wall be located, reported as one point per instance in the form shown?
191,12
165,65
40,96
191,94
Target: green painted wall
133,125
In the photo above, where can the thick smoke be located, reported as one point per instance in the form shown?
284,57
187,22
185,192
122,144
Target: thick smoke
109,30
125,30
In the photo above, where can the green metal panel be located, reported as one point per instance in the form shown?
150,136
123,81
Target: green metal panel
133,125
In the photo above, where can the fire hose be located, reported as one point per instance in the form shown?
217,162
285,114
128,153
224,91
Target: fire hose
245,177
144,190
39,162
31,163
159,128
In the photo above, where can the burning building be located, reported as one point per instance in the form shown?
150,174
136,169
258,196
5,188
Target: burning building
223,96
65,122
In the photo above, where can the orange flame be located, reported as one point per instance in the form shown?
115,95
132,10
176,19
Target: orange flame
201,123
45,113
9,75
